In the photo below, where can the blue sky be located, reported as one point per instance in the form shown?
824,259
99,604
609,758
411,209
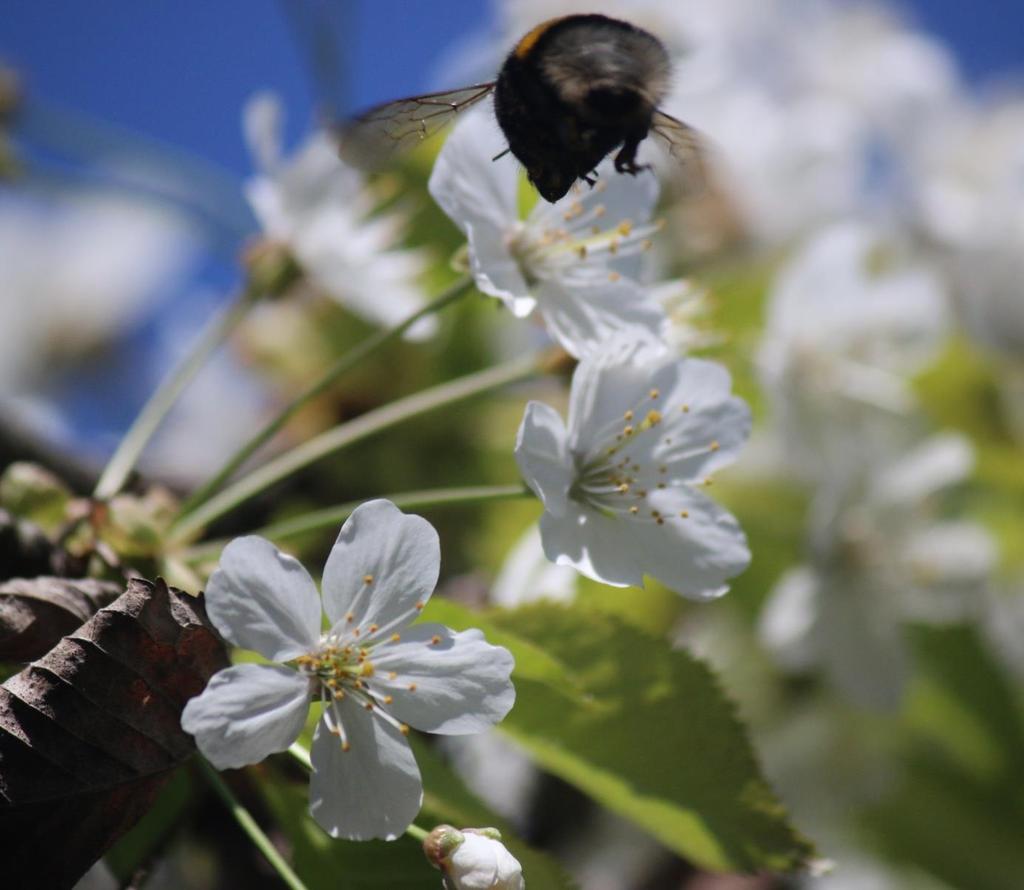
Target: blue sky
181,71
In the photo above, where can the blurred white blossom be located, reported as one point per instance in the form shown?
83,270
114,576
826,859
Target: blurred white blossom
330,220
527,575
848,321
376,672
878,558
578,261
621,483
74,274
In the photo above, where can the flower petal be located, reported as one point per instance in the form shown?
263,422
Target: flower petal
692,556
608,382
583,315
246,713
543,456
372,790
383,566
262,599
479,195
462,683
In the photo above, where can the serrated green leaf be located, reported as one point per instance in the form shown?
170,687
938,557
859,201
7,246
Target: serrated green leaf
532,662
958,811
646,731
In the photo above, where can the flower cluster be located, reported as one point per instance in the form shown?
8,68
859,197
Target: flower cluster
647,428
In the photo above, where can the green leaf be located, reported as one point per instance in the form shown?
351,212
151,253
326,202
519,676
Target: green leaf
958,811
532,662
646,731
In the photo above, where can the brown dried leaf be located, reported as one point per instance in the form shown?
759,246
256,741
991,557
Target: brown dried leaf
91,731
35,613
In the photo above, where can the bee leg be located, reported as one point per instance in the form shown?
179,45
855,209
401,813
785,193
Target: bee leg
625,160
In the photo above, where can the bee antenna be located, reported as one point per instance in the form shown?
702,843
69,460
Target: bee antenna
501,154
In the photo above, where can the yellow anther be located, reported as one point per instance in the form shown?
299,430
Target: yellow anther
395,638
368,706
367,670
434,640
599,211
388,699
628,415
627,430
345,746
654,393
338,694
392,675
623,488
412,687
374,628
350,617
685,409
582,251
634,510
420,606
367,579
613,247
684,514
403,728
625,227
714,446
653,417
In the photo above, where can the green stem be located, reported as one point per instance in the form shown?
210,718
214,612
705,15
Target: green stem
348,361
414,831
245,820
160,403
344,434
302,756
330,517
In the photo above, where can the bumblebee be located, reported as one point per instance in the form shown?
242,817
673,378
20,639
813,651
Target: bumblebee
572,90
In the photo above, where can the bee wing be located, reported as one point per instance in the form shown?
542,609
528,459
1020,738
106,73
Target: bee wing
688,150
373,137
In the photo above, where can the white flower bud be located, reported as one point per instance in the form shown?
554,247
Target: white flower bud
474,859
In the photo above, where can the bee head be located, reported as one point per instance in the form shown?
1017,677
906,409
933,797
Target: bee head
552,182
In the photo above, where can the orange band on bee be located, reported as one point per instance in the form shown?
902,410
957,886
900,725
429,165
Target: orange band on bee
524,46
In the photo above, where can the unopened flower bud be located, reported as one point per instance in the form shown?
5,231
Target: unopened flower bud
473,859
33,492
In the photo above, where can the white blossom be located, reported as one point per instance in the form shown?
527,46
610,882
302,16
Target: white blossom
622,483
527,575
878,560
330,220
74,275
577,261
846,326
376,672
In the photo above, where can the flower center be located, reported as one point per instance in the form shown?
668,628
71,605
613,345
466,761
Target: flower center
556,240
343,668
632,458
